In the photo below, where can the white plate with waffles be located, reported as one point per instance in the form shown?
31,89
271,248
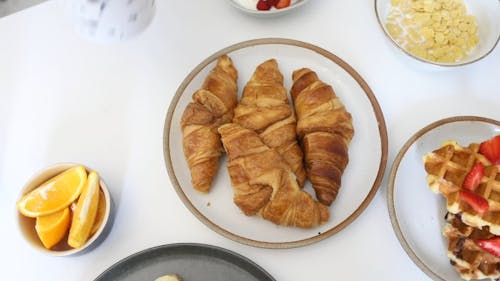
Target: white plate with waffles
367,151
417,214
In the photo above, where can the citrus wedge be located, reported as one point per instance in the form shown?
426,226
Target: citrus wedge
52,228
101,211
55,194
85,212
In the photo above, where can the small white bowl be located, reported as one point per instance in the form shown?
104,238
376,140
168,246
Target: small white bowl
27,225
487,14
249,7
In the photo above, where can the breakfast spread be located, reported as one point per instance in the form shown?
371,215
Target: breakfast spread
275,144
261,139
212,106
469,179
439,31
68,204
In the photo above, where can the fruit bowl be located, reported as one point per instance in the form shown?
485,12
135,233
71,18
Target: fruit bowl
250,7
99,229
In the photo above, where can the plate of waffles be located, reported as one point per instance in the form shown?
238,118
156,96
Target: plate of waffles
243,123
444,197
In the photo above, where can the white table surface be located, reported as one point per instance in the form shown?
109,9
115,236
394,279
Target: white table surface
63,98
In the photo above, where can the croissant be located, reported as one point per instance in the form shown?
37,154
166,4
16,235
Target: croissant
325,129
263,182
265,108
213,105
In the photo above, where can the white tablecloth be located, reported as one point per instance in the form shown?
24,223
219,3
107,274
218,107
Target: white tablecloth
64,98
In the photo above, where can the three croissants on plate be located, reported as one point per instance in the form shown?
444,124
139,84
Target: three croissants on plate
272,147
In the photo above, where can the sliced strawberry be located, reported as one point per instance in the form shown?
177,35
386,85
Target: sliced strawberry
263,5
474,177
272,3
282,4
491,245
491,149
478,203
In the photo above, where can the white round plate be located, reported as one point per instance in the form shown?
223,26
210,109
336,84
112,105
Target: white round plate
367,152
249,7
487,14
417,214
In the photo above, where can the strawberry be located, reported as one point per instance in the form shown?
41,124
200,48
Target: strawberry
263,5
474,177
282,4
491,149
491,245
272,3
478,203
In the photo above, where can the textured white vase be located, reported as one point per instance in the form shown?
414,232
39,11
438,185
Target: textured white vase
110,20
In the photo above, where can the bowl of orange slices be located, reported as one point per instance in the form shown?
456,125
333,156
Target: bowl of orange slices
65,209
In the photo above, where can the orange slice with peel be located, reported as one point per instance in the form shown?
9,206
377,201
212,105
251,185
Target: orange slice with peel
52,228
55,194
85,212
101,211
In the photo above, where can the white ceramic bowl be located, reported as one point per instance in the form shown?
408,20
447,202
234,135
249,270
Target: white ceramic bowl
487,14
27,225
249,7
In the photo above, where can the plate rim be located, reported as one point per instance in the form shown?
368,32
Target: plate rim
392,177
173,246
382,129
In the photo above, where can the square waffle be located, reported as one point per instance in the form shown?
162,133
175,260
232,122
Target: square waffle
470,260
447,168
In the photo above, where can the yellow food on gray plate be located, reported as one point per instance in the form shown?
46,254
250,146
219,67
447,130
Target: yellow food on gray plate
435,30
169,277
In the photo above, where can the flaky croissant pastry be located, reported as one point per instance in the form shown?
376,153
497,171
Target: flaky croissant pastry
324,129
265,108
263,182
213,105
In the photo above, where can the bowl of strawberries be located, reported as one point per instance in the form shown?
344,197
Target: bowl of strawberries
266,7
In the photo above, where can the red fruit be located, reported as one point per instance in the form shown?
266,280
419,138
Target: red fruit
263,5
491,245
491,149
474,177
282,4
272,2
478,203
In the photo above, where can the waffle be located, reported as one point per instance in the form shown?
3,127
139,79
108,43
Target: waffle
469,259
447,168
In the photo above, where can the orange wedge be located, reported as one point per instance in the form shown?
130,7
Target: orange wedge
52,228
55,194
85,212
101,211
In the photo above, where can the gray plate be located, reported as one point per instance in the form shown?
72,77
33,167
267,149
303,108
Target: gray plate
193,262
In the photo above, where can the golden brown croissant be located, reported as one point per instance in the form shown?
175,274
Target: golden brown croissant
263,182
265,109
325,130
213,105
